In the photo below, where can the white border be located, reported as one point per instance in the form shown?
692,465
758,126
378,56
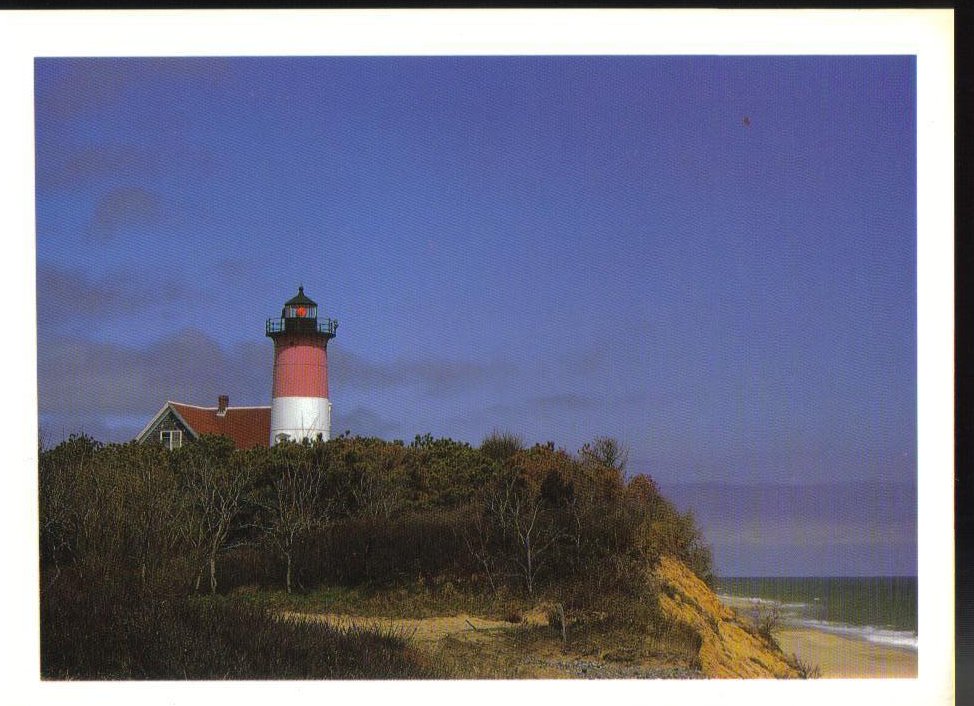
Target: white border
926,33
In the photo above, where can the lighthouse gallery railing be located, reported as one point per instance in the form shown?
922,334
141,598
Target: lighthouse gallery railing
276,325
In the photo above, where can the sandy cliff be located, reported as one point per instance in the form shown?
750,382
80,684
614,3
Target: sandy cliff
729,647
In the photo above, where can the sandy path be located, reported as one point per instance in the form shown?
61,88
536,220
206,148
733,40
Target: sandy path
419,629
836,656
842,657
478,638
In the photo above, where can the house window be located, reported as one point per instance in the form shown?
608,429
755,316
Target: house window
171,439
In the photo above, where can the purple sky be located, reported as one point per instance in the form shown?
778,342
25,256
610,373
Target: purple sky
710,258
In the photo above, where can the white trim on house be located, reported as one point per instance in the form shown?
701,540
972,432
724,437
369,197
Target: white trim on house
168,406
213,409
174,442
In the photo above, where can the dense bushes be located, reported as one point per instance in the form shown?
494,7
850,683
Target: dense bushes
148,528
376,551
549,519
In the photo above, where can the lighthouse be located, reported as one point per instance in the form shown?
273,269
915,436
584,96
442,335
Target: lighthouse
300,408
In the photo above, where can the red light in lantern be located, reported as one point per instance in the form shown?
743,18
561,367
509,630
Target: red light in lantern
302,311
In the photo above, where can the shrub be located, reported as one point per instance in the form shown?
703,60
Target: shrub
500,446
806,670
766,622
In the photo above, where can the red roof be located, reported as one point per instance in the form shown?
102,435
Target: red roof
247,426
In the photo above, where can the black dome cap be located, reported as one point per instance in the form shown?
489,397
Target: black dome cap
300,299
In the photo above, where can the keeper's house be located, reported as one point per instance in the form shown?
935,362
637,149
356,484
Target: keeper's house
178,423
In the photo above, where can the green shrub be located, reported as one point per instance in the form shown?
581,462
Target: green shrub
500,446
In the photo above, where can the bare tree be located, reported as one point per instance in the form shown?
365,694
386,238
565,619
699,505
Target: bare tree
213,497
146,498
80,511
296,507
61,508
606,451
478,539
524,517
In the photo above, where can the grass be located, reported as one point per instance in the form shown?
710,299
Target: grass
119,631
413,601
501,658
111,631
126,634
521,650
115,633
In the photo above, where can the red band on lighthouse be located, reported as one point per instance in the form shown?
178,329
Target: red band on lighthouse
300,368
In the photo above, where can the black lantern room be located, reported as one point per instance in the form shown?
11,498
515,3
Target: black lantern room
299,307
300,315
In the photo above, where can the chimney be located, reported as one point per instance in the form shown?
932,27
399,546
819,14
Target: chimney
222,402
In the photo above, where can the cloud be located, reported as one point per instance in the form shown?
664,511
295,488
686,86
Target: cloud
855,528
94,380
123,208
82,383
433,377
521,412
362,421
560,402
65,295
755,532
812,503
69,167
56,167
69,88
584,363
55,428
782,559
233,269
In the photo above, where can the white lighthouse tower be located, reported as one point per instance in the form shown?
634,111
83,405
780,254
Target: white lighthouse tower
300,408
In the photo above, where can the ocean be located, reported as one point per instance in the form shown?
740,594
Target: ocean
876,609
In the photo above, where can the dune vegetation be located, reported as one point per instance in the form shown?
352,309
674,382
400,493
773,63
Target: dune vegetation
210,562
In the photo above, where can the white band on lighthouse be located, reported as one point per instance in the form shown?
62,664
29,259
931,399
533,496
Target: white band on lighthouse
300,418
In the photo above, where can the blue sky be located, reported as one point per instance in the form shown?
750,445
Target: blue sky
710,258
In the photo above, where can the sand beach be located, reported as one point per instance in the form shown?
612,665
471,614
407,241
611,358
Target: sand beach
837,656
841,657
